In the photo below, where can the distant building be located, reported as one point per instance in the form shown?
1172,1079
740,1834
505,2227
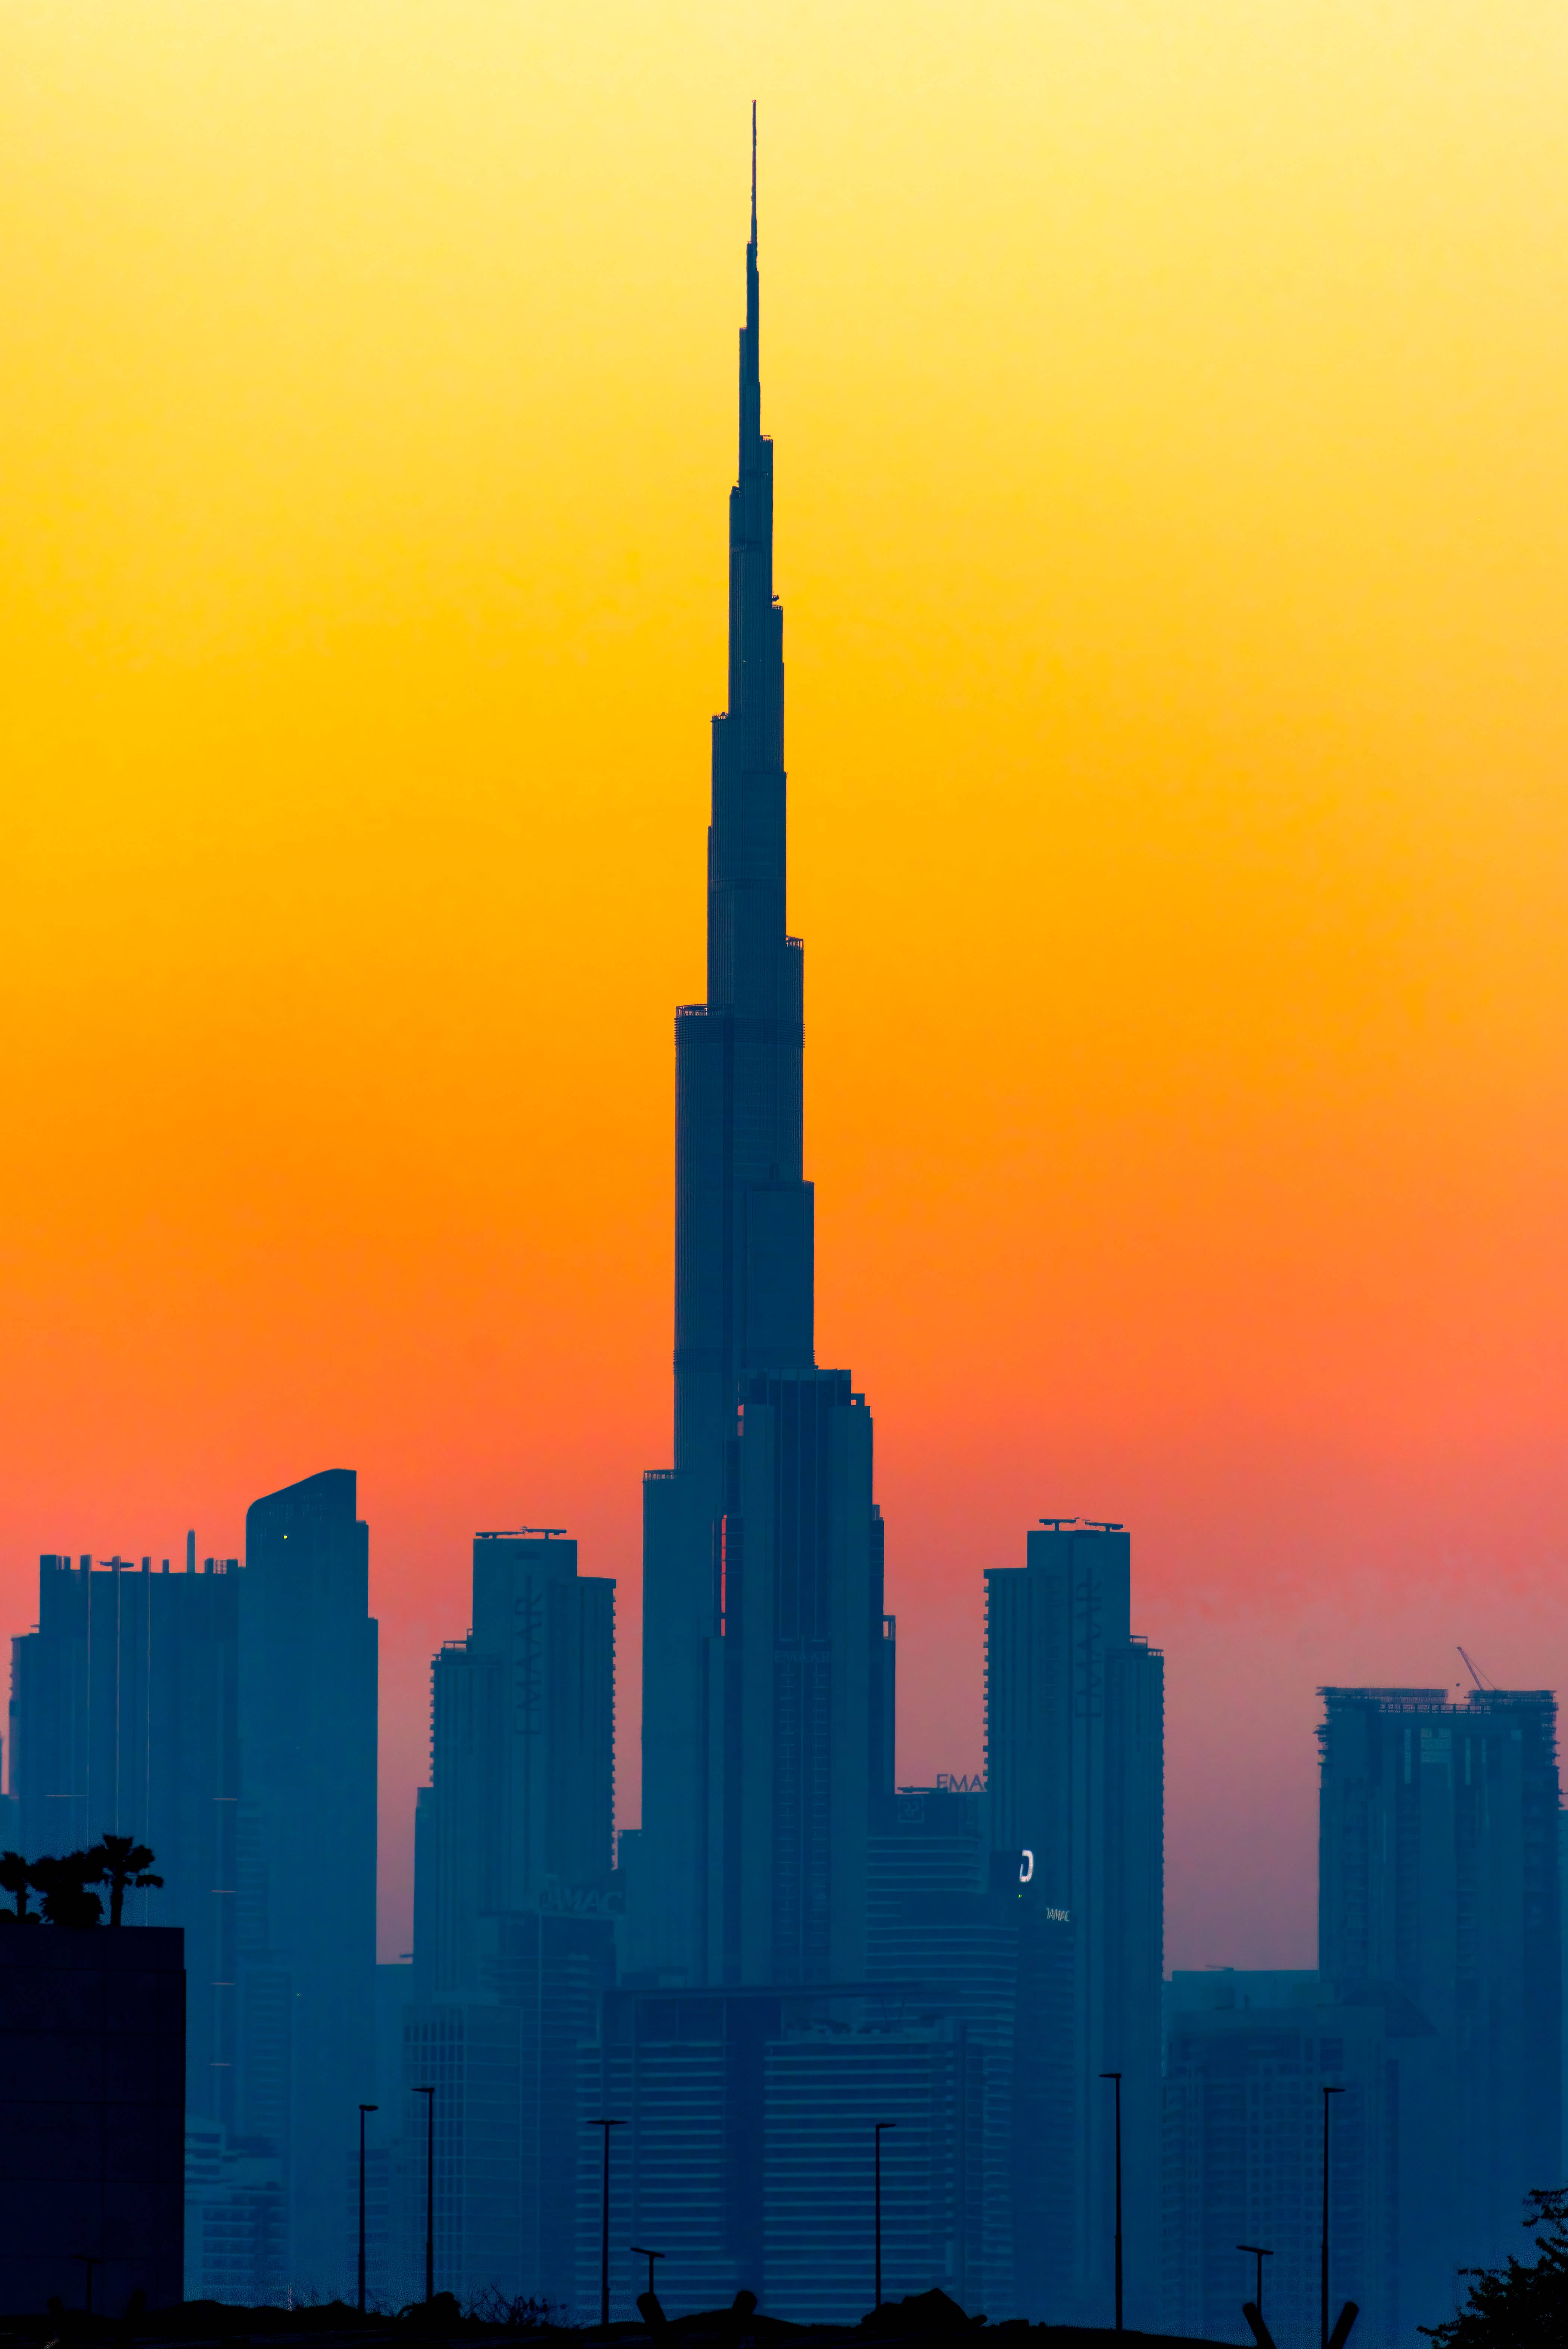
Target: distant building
514,1919
1248,2056
521,1749
236,2231
92,2090
305,1875
124,1720
1439,1875
943,1917
1075,1770
824,2088
748,2153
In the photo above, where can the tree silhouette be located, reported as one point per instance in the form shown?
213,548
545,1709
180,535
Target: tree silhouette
16,1878
122,1863
64,1885
1517,2305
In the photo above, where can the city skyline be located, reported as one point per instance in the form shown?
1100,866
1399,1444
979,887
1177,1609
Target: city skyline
793,1951
1185,1057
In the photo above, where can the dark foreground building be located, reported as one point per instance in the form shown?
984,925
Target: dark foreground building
92,2116
124,1720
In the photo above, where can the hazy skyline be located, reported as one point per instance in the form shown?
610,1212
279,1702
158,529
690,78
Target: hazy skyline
1171,526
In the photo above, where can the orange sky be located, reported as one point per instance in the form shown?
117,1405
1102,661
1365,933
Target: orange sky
1172,525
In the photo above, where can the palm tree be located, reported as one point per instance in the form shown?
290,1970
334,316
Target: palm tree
16,1878
64,1885
122,1863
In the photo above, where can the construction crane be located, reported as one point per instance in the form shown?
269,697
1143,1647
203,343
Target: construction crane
1479,1678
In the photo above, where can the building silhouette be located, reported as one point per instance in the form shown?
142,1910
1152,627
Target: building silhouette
305,1872
124,1720
92,2088
1438,1875
767,1659
1248,2056
1075,1772
747,2154
514,1926
943,1918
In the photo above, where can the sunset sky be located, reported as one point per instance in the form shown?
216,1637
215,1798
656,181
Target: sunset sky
1171,400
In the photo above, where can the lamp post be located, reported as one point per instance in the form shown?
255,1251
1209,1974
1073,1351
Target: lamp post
877,2129
1256,2252
89,2260
640,2252
605,2227
1115,2077
362,2110
429,2193
1324,2303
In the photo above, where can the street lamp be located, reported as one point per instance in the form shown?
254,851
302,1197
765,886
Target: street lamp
362,2110
1256,2252
429,2193
877,2138
604,2230
1117,2077
89,2260
640,2252
1323,2318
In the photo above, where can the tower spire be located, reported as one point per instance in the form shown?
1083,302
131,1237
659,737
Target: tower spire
754,176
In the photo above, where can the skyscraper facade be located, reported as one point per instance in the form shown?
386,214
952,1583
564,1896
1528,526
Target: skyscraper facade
1075,1773
521,1751
1248,2057
767,1701
305,1877
514,1926
1438,1862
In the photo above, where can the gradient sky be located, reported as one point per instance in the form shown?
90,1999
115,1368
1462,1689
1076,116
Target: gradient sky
1169,400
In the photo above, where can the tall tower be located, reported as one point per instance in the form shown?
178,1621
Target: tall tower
1075,1767
305,1877
767,1675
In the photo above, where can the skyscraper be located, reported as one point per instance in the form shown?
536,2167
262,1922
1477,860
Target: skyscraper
521,1751
766,1702
306,1880
1438,1874
1248,2056
1075,1773
514,1938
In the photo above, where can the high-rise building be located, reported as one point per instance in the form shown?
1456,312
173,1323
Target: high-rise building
1248,2057
1438,1860
748,2150
943,1923
767,1659
124,1720
515,1929
1075,1774
305,1877
521,1748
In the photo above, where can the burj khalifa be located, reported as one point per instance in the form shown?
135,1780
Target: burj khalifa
767,1658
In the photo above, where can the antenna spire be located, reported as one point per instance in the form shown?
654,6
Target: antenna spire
754,175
